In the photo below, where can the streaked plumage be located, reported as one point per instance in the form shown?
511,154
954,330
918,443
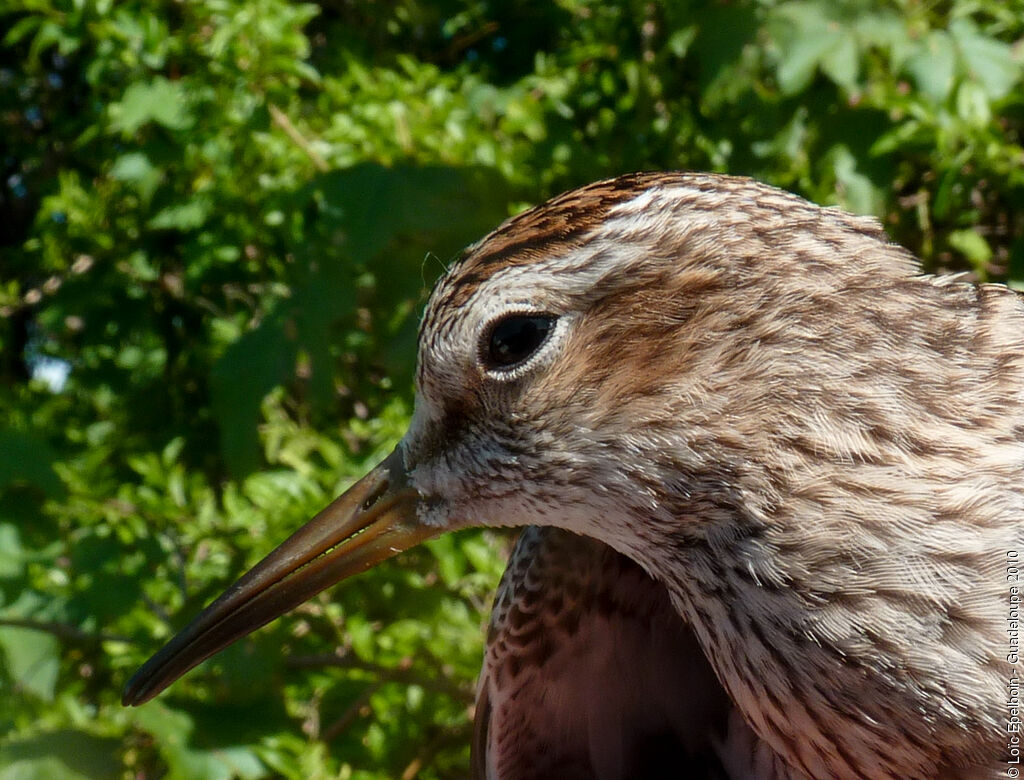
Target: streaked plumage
812,450
590,673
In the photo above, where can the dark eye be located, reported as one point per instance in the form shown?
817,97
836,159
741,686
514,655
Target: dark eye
516,337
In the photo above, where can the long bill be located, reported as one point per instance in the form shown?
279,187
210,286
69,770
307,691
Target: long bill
373,520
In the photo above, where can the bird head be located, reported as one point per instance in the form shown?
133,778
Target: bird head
578,368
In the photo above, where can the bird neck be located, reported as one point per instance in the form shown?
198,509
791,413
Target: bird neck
813,655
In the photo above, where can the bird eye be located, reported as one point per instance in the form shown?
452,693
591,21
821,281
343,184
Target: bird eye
514,338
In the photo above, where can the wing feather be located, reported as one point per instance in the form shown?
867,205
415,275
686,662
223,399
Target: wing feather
591,674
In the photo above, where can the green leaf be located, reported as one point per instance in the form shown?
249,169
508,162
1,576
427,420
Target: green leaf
842,63
136,169
26,457
159,101
450,559
21,29
227,763
12,555
933,64
905,134
183,216
32,659
856,191
67,754
42,768
972,104
989,61
173,731
806,37
973,246
250,368
798,65
679,41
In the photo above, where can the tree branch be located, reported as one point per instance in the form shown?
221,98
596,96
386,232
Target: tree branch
447,738
407,675
348,717
64,631
281,120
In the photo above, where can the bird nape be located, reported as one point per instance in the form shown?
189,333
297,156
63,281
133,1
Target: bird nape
775,475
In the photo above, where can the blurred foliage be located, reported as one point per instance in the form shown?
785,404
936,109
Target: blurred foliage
218,221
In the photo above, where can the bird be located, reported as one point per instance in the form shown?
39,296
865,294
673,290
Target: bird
769,473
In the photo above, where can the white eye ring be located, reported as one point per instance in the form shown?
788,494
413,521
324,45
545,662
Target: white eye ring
514,341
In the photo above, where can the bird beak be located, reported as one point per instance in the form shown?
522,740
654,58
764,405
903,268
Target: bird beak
372,521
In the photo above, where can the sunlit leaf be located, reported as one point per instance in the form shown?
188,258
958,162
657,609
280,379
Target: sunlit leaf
990,62
933,65
974,247
31,657
136,169
159,101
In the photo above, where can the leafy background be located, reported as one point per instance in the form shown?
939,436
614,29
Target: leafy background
218,222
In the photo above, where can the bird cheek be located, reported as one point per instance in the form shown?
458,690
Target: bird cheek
436,512
449,499
439,491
